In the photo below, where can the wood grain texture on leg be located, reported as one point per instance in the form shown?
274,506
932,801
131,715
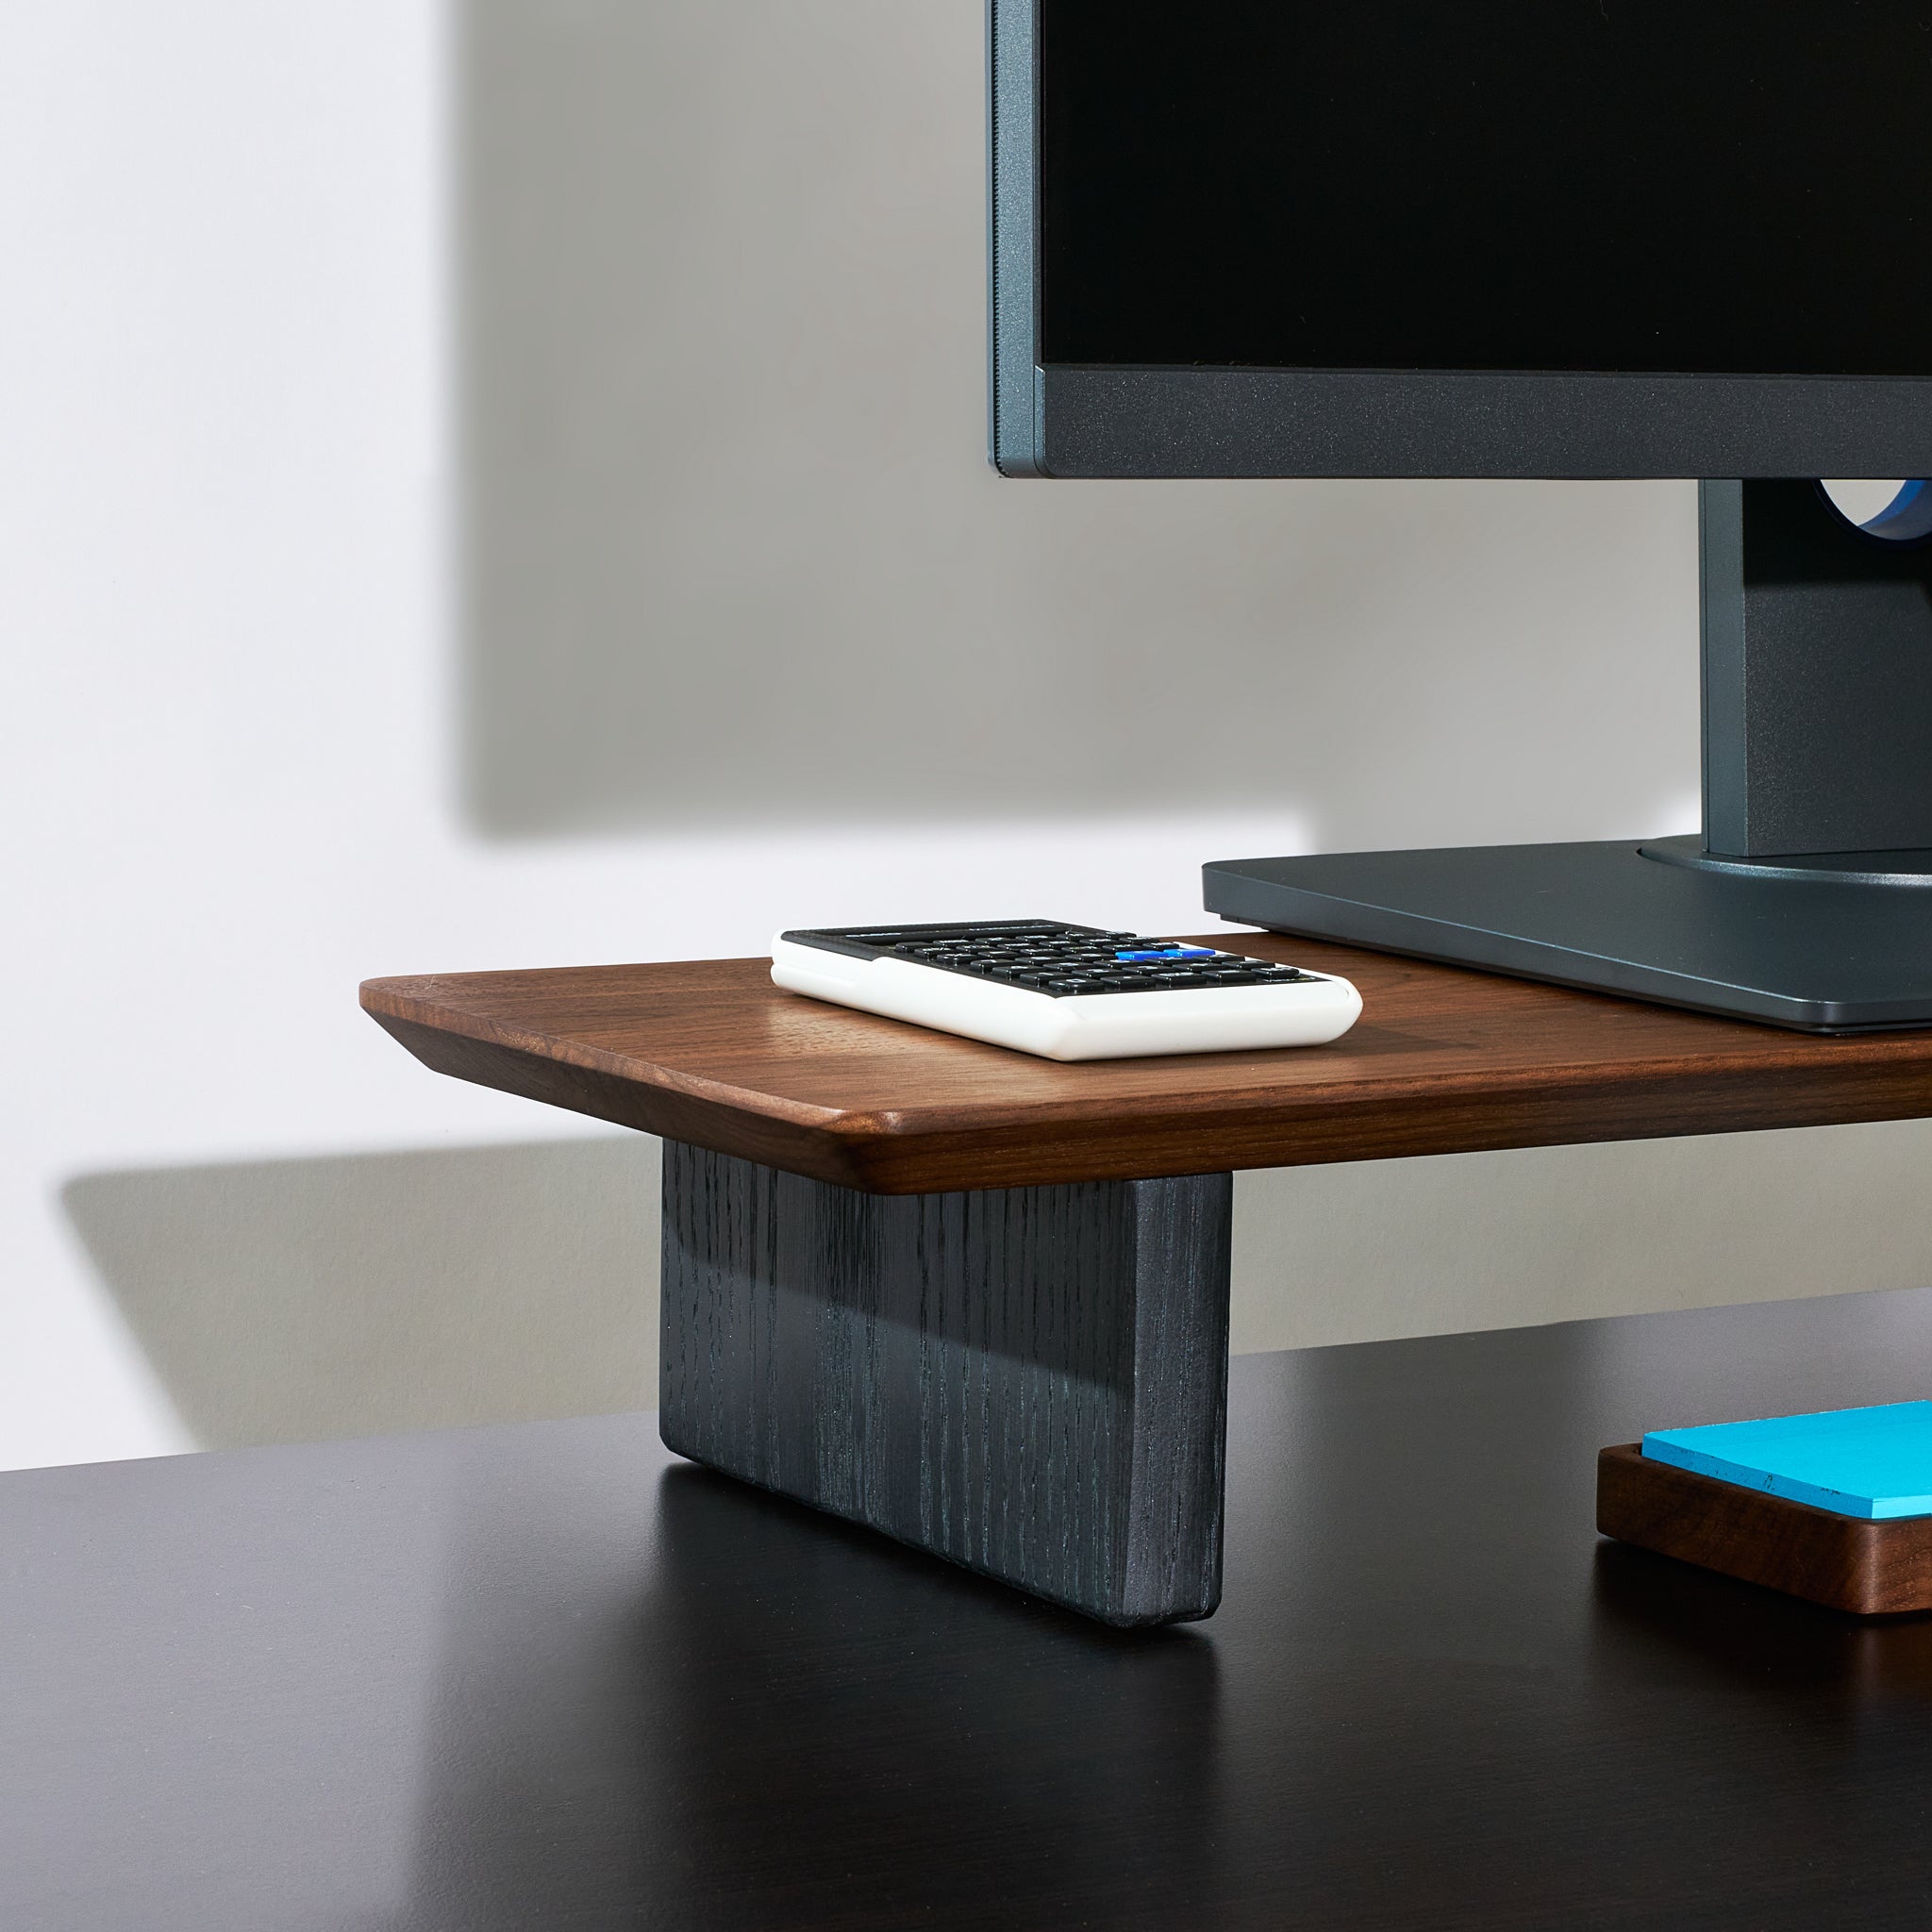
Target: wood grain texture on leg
1031,1381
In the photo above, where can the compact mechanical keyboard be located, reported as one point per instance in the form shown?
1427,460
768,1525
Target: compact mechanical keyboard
1067,992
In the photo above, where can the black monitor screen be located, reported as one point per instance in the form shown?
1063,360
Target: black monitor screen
1703,186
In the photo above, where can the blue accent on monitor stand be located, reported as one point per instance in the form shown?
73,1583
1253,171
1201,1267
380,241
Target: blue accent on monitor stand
1907,518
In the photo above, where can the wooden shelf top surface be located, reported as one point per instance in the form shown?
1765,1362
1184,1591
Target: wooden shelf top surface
1442,1061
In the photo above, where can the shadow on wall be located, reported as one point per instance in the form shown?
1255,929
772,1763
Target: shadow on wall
296,1300
578,1781
732,550
299,1300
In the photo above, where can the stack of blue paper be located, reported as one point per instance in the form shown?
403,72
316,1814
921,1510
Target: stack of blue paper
1872,1463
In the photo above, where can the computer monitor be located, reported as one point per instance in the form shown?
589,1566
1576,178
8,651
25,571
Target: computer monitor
1550,239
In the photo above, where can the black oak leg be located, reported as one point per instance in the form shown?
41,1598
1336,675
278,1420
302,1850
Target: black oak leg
1029,1381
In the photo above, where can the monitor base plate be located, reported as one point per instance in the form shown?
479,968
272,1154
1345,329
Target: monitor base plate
1846,951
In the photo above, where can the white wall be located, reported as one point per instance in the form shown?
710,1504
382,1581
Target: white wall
507,487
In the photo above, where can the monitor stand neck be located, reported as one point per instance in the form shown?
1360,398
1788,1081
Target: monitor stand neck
1817,692
1808,899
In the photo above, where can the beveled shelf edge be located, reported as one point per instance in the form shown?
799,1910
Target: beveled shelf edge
911,1149
826,1146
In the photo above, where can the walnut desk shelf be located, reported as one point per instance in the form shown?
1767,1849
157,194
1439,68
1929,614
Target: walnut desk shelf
980,1301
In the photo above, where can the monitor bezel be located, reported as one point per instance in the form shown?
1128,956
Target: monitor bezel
1068,420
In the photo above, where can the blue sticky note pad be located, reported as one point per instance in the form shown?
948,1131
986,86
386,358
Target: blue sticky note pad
1871,1462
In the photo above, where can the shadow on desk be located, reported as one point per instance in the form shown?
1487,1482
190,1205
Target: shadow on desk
1674,1616
911,1718
289,1300
496,1678
1431,1697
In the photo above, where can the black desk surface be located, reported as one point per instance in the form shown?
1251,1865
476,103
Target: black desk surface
543,1676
